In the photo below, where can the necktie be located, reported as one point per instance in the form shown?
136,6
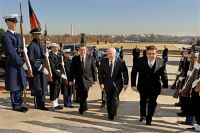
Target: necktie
82,62
111,66
150,64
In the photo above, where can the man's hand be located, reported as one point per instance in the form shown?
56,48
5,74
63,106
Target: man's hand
134,88
70,83
102,86
125,87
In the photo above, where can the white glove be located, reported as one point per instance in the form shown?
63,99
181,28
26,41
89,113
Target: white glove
196,65
189,73
64,76
45,71
178,72
25,67
181,78
47,54
25,50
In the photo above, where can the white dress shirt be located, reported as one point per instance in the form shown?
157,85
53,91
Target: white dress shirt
151,63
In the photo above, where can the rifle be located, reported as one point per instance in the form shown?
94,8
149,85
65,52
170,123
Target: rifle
47,64
25,56
188,84
177,90
197,89
62,70
174,85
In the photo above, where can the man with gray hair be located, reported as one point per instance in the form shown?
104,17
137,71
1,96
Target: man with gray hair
113,77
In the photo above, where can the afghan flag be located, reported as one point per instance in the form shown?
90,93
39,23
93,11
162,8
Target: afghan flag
33,19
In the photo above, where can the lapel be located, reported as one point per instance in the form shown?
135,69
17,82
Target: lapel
80,63
114,68
86,62
146,64
157,65
107,66
13,38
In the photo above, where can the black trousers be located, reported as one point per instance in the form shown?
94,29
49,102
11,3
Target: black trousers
16,99
150,99
54,91
83,99
39,101
112,97
195,105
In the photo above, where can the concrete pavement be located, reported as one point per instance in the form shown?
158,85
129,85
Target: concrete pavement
95,120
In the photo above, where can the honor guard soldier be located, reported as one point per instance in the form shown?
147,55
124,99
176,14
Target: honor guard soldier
15,77
38,84
55,86
66,88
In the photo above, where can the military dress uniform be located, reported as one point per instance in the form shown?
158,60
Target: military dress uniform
38,84
55,86
15,76
67,89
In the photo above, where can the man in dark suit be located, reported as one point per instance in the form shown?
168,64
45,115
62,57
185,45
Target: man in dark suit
136,53
38,83
165,54
150,70
83,70
15,78
113,77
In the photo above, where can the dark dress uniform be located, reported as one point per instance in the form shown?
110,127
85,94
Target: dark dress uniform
55,86
15,78
66,90
37,84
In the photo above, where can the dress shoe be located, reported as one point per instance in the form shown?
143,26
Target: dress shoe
25,108
181,114
178,104
111,117
142,118
102,105
43,108
81,112
20,110
69,106
58,107
191,128
148,120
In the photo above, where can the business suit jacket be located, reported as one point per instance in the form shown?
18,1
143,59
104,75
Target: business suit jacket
15,77
149,79
119,76
84,78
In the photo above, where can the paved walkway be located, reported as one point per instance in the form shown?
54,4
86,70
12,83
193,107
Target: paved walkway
95,120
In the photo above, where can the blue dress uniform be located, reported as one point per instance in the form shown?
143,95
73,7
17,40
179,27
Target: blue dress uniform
15,78
38,84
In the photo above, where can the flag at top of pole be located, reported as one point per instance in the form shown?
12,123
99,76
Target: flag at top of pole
34,23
